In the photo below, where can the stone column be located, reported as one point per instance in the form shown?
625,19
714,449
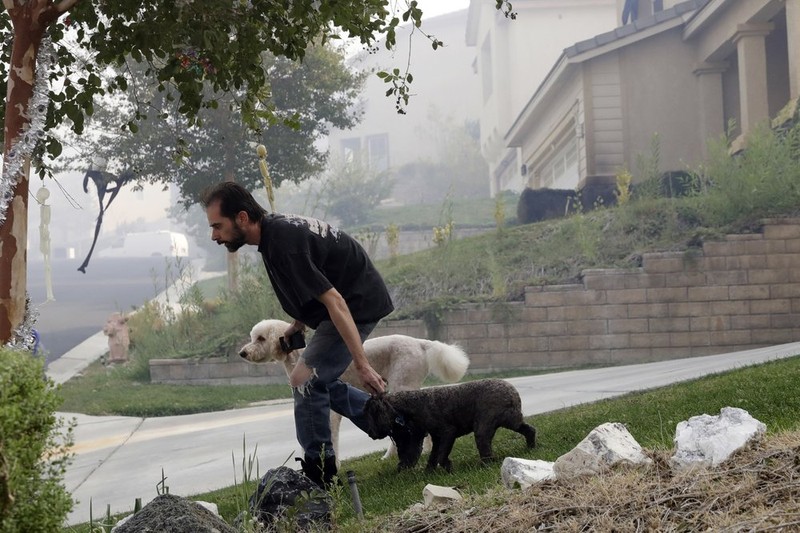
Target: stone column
752,53
793,32
712,114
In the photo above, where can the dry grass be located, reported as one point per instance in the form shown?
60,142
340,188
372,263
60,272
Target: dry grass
757,490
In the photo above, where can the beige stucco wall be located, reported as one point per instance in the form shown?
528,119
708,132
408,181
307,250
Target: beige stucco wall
660,95
605,116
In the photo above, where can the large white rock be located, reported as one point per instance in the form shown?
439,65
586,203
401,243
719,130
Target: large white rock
523,473
706,440
605,446
435,494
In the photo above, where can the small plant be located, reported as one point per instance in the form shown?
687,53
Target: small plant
498,278
443,234
393,240
369,240
623,189
499,211
244,517
649,182
103,526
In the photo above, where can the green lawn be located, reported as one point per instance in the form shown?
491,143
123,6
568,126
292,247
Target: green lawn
768,392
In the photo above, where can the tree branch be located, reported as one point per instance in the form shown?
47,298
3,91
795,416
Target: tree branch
65,5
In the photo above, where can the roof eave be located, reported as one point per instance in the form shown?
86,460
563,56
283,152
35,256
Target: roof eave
559,71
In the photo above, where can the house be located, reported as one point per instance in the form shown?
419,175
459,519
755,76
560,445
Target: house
512,59
684,72
443,86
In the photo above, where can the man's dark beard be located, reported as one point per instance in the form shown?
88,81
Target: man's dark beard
237,241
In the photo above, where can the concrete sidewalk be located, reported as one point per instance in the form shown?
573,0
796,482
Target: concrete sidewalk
81,356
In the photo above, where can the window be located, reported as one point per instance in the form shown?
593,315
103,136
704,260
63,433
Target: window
378,152
351,149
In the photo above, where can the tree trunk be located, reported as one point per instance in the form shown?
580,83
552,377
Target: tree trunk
30,18
28,33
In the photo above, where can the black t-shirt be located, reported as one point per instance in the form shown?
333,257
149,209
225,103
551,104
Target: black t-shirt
305,257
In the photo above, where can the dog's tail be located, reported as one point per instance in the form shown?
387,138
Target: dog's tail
447,362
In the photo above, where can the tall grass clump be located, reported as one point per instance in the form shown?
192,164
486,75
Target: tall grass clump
762,180
202,326
33,449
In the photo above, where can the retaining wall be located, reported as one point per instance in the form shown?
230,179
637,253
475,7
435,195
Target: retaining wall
739,293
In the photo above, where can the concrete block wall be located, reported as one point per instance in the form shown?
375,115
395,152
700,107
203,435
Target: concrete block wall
738,293
215,371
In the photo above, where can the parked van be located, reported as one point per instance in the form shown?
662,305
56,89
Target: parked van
150,244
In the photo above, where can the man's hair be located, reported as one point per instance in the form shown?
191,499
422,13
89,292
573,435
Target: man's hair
232,198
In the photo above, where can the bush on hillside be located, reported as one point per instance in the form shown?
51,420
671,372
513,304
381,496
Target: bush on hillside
33,456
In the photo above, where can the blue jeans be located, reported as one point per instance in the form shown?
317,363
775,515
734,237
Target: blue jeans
329,357
630,11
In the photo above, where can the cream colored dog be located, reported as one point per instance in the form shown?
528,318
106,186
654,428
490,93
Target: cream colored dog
404,362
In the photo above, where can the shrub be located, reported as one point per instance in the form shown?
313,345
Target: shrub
761,181
33,456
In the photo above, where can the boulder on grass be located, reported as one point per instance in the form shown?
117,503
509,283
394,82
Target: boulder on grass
523,473
607,445
436,495
706,440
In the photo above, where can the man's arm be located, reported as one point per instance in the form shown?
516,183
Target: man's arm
346,326
293,328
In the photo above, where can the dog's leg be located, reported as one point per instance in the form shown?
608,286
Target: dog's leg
433,457
391,451
336,421
440,452
483,441
529,432
427,445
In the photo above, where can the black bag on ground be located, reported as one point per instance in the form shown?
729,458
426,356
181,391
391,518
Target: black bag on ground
286,494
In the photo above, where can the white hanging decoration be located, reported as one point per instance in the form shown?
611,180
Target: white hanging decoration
32,132
261,152
25,336
44,239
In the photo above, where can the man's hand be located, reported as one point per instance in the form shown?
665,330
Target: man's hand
293,328
372,381
343,321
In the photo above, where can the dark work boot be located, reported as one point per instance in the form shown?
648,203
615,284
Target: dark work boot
329,471
321,473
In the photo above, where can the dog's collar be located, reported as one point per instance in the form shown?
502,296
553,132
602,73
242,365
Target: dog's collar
400,421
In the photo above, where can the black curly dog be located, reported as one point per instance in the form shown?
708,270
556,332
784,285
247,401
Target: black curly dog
446,413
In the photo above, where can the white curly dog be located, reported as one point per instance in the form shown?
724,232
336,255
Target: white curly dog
403,361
